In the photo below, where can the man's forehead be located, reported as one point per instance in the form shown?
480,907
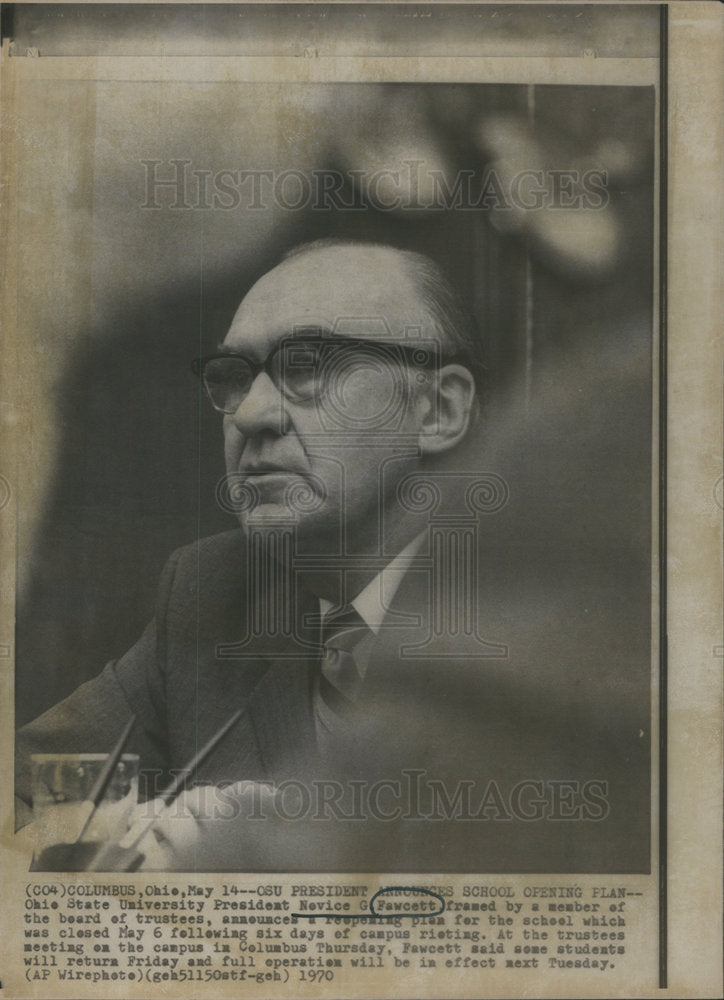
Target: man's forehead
335,289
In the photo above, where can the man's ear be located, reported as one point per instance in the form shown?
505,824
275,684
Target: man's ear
446,408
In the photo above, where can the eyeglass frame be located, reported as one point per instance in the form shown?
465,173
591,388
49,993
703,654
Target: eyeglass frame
198,365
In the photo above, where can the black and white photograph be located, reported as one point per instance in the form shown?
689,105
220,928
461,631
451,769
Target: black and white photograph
337,387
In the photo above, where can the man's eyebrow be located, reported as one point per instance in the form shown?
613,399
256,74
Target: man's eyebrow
313,330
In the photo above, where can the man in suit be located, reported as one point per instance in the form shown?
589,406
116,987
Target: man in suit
384,725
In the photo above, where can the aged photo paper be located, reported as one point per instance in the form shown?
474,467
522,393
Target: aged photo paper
361,500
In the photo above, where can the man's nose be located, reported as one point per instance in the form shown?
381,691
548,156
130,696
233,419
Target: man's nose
262,409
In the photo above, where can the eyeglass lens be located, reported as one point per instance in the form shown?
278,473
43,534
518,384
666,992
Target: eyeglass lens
291,367
300,370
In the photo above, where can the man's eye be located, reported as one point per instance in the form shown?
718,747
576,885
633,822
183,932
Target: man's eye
237,375
301,383
297,368
347,362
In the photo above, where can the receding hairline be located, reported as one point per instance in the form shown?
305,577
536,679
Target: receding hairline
415,267
369,251
439,297
421,270
413,262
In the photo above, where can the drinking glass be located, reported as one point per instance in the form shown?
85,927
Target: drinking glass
65,839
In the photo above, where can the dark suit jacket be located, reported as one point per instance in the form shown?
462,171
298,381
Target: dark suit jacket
535,760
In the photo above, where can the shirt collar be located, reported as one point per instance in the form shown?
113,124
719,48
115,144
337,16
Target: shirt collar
373,602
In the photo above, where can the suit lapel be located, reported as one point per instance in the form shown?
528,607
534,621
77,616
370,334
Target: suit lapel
280,709
272,679
282,720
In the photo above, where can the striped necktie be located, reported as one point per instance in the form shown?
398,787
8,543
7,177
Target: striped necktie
340,676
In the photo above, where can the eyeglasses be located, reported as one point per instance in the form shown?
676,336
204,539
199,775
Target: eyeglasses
305,368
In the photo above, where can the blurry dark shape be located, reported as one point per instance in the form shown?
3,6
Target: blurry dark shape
620,160
66,857
550,176
550,202
394,147
609,128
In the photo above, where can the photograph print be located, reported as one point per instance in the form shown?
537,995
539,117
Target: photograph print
336,524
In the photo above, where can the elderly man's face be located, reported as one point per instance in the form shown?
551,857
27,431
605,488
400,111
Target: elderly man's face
333,459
